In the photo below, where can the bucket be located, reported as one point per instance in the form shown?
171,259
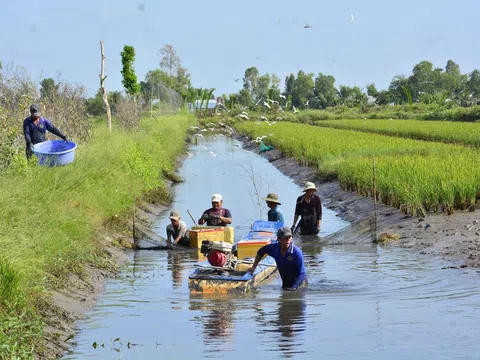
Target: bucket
54,152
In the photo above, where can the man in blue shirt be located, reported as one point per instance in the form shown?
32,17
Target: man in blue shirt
34,128
289,259
275,213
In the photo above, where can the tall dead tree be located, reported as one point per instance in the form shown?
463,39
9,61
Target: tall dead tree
104,93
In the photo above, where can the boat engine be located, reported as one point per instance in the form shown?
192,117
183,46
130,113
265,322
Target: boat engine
219,254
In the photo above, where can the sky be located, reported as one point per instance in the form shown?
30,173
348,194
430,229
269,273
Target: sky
218,40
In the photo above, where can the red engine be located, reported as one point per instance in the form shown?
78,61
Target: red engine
218,254
217,258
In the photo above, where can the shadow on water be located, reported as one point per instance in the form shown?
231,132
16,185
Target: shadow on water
362,302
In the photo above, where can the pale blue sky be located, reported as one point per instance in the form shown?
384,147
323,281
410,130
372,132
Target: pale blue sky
218,40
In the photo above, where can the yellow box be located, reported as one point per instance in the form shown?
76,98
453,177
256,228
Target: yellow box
198,235
228,232
249,248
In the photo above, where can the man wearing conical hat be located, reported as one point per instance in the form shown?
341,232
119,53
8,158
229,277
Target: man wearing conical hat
275,213
309,209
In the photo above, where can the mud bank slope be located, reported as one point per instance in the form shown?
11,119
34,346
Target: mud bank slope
455,238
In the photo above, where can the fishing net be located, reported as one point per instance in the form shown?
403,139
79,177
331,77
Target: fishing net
163,99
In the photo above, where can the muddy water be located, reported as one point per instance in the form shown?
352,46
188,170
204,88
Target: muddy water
363,301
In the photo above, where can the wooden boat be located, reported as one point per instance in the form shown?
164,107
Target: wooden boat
210,279
232,275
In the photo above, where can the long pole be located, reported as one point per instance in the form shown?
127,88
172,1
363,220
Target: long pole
375,197
189,213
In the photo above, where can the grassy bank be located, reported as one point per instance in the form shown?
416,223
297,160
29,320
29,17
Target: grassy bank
415,176
443,131
50,216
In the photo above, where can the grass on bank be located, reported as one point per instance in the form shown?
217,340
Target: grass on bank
443,131
415,176
49,218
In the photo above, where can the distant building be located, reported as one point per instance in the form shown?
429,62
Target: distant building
211,104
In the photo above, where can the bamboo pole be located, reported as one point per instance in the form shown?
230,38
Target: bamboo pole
375,198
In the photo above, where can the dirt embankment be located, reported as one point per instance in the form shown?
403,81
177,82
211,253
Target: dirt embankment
455,238
71,303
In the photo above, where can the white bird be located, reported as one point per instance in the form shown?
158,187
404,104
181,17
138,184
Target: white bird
245,113
306,104
266,104
189,154
352,18
204,146
283,96
263,118
198,135
243,116
194,127
220,135
278,118
294,109
212,153
203,130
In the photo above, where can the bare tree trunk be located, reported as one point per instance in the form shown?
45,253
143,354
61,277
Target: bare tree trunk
104,93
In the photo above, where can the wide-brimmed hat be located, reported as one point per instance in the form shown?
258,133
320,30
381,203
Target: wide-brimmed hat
272,197
284,232
217,198
175,215
309,186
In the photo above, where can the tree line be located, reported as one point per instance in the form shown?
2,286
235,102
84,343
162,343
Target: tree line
427,84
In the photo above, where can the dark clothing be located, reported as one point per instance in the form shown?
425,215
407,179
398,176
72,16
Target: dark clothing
290,266
211,216
275,214
35,134
310,213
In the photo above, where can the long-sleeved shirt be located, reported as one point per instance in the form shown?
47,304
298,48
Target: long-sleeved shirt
310,213
35,134
290,266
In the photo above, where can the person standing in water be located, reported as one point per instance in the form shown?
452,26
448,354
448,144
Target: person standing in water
275,213
289,259
309,208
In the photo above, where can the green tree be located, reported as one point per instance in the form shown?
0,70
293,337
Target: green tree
95,104
473,84
395,89
453,82
325,92
48,88
130,82
303,89
351,96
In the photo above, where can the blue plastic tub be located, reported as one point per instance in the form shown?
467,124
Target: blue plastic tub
54,152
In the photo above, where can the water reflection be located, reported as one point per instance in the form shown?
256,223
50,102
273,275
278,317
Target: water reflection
176,264
289,321
217,317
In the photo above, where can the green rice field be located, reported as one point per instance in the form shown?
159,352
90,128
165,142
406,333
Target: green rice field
443,131
414,176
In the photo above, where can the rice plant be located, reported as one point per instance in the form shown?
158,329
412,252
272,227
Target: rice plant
414,176
465,133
